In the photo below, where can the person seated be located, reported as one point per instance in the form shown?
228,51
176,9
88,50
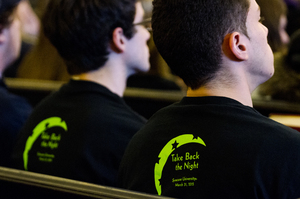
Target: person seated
81,131
213,143
14,110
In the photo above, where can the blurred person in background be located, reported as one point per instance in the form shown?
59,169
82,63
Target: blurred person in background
285,83
14,110
43,62
30,27
274,17
30,22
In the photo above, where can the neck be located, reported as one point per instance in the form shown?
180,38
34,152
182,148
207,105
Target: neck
239,92
112,75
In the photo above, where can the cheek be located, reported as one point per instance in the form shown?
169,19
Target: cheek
16,39
16,32
285,39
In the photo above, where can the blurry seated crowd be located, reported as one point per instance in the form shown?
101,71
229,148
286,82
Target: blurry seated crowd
111,79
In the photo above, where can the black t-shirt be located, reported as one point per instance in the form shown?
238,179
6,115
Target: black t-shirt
14,110
79,132
213,147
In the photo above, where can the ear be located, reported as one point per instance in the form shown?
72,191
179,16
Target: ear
117,43
237,45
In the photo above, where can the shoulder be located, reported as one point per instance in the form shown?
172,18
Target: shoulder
14,111
88,107
12,104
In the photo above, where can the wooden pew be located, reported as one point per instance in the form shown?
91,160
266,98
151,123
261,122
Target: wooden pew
24,184
144,101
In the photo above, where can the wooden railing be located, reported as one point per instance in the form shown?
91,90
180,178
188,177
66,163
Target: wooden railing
144,101
24,184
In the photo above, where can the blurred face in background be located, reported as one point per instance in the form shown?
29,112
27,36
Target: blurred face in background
285,39
274,13
12,41
138,54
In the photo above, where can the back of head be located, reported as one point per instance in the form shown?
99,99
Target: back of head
7,8
81,30
189,34
272,11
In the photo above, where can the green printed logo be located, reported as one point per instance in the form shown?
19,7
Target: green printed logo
40,129
167,151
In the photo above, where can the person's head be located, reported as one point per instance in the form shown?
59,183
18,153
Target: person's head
10,35
274,13
190,34
82,30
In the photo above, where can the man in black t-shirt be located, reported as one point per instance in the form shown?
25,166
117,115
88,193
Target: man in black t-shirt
213,144
81,131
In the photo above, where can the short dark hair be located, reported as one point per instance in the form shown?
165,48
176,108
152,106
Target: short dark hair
189,34
7,17
271,11
81,30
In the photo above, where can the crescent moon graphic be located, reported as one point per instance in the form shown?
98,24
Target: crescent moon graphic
38,130
166,152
